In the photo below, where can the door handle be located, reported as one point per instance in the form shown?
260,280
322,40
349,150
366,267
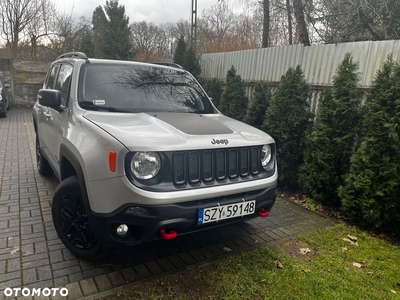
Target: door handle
47,115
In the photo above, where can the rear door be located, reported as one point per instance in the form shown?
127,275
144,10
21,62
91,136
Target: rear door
43,114
59,119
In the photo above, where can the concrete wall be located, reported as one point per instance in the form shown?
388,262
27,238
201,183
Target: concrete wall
25,78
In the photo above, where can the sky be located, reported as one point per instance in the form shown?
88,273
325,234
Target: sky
156,11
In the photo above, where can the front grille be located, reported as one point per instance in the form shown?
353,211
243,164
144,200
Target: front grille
207,166
215,166
233,163
194,167
244,162
220,165
179,168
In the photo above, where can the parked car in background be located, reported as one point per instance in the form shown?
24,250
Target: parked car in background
142,153
4,98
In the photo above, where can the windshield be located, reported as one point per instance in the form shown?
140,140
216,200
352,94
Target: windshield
140,89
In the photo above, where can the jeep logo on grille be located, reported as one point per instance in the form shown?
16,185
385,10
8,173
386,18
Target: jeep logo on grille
219,142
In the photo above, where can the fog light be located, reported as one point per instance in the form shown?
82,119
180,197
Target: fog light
122,229
137,211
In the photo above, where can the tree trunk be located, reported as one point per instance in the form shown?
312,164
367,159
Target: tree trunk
33,47
14,42
301,23
289,17
366,23
265,36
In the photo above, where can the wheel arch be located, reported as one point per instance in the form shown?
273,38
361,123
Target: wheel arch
70,166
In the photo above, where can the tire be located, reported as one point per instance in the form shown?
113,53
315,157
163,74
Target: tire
72,223
4,114
43,165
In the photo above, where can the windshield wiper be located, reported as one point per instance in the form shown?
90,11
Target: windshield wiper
184,111
90,105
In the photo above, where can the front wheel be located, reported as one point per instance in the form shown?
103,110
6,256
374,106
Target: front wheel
71,221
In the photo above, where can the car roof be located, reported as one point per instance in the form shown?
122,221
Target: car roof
73,56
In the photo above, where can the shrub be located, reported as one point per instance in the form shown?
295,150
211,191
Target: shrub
233,100
180,51
258,104
287,120
371,191
333,137
191,63
213,88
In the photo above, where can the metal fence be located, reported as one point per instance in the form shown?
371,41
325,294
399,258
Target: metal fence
318,62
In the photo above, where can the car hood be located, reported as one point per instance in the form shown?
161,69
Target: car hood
172,131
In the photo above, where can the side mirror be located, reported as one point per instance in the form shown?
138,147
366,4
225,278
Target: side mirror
50,98
7,86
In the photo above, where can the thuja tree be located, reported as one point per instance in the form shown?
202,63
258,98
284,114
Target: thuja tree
191,63
258,104
234,100
180,51
213,88
287,120
371,194
333,137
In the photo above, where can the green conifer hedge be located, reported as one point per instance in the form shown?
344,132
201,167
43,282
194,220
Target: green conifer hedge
333,137
371,191
287,120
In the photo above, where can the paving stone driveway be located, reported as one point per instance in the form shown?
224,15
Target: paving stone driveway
32,256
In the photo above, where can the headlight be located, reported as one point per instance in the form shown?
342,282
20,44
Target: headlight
145,165
266,155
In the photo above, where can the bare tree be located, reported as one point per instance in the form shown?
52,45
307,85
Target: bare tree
335,21
149,41
214,25
182,29
266,24
42,26
289,18
16,16
301,22
69,34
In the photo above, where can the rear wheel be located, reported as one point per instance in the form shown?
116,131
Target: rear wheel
42,163
71,221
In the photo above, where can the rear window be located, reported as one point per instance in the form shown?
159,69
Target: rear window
141,89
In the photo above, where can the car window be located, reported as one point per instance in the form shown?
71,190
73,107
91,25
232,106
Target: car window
52,77
142,89
62,83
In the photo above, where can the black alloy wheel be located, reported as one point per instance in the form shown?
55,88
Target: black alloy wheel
71,221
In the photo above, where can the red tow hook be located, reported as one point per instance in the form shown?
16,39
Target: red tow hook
168,236
263,213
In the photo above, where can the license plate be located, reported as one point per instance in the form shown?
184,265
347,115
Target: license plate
223,212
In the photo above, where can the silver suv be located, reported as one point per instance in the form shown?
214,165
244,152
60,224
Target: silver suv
142,153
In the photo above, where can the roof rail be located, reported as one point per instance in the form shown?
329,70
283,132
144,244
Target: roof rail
74,55
168,64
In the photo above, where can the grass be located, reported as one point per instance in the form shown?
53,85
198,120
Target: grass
325,273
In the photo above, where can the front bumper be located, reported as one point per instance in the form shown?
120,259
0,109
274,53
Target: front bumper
179,217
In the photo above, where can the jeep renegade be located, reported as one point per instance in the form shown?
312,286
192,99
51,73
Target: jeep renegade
142,153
